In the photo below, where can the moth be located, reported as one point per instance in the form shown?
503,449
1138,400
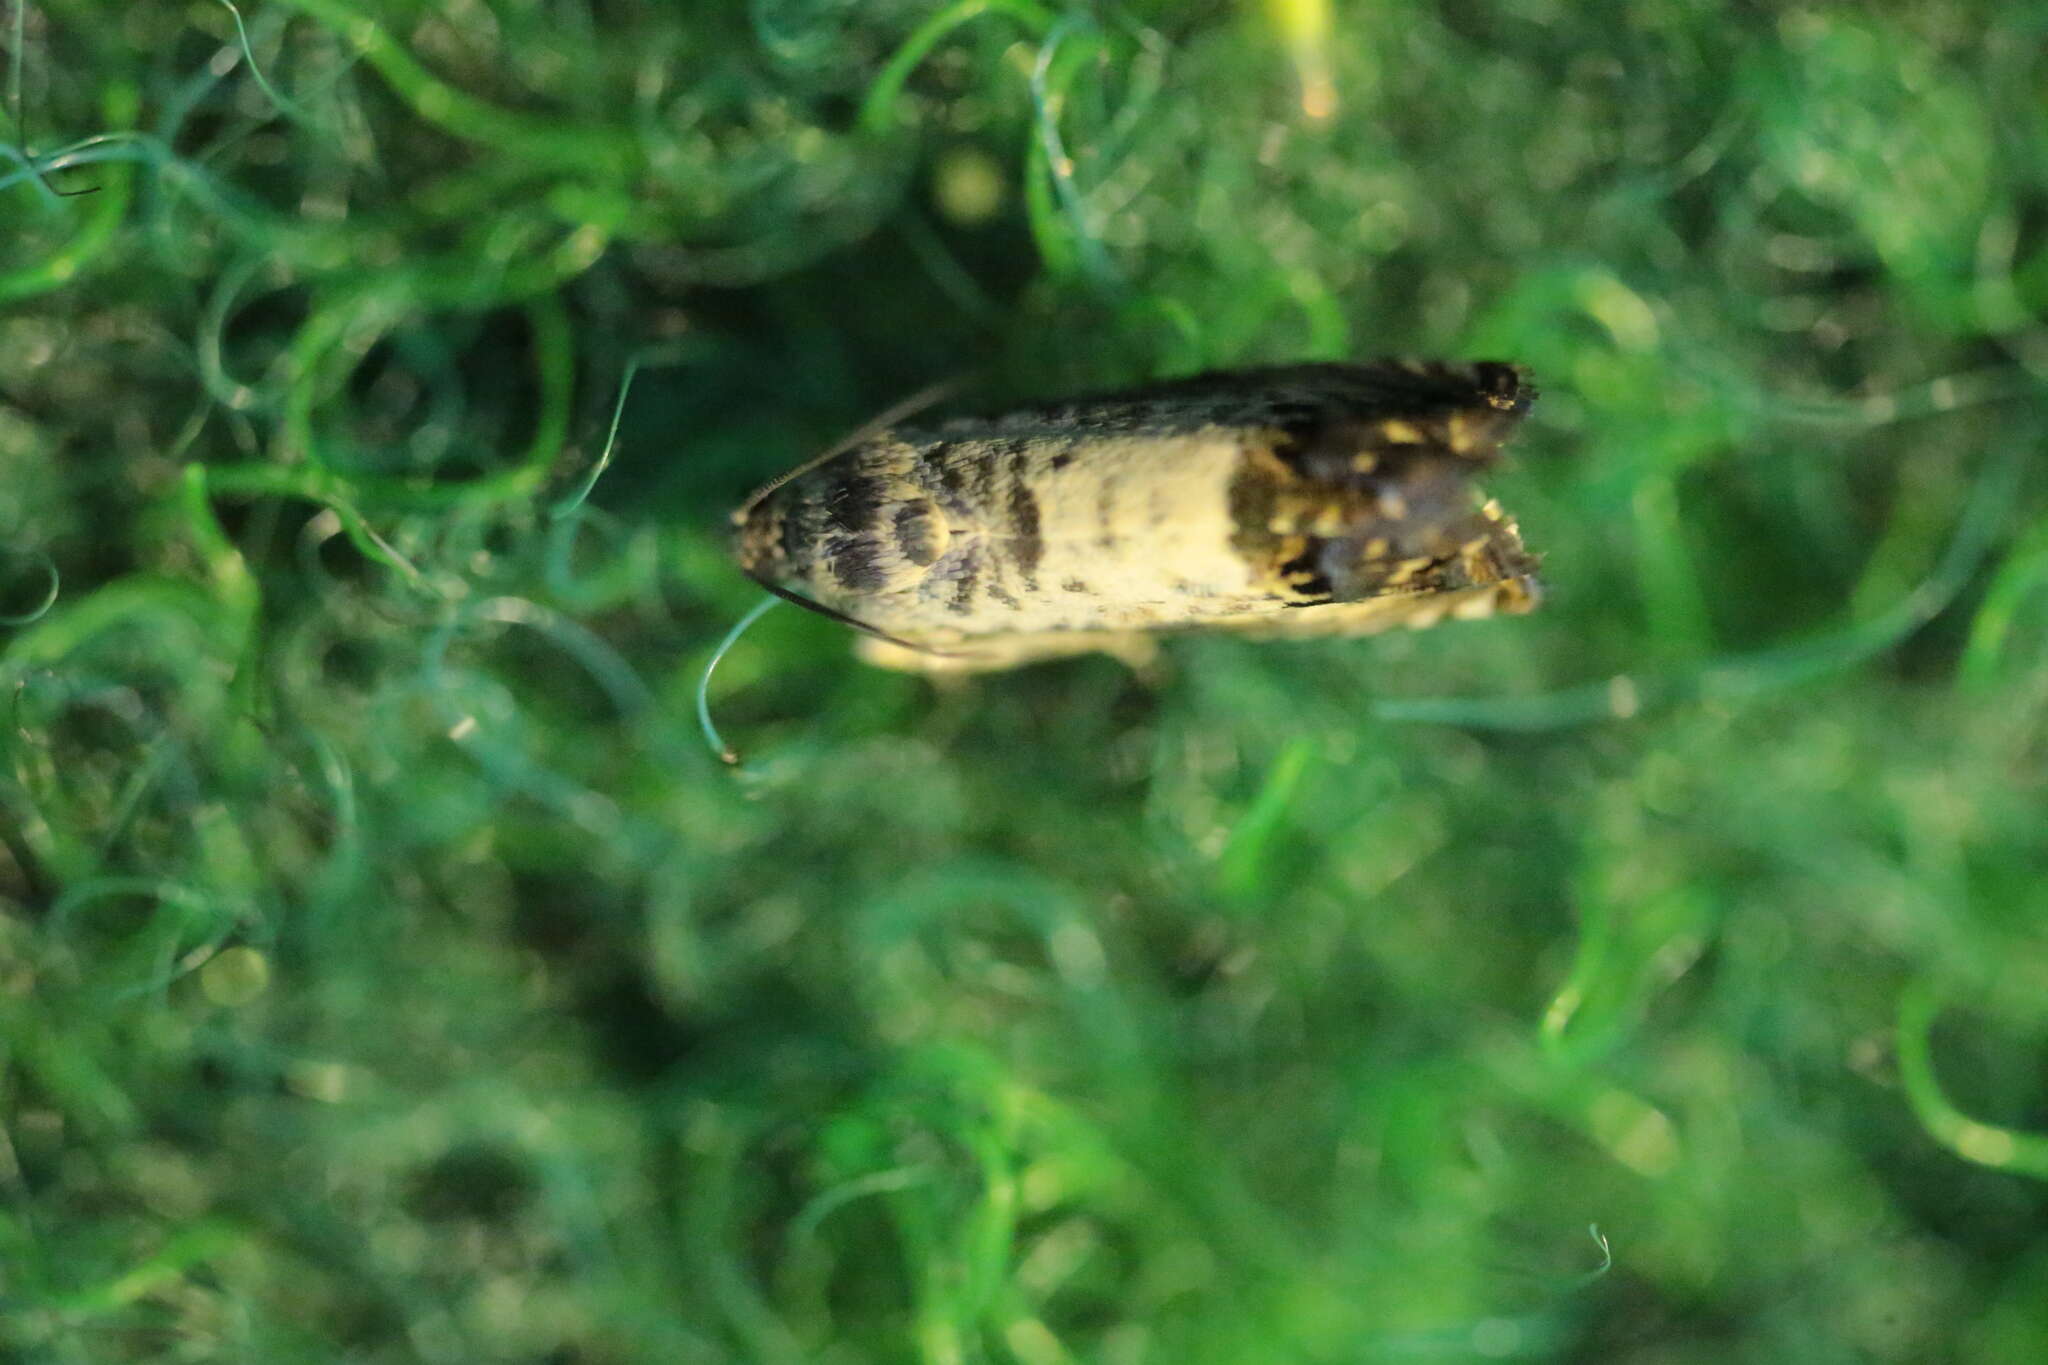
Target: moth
1281,502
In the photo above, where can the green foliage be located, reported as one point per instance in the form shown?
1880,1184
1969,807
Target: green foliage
389,973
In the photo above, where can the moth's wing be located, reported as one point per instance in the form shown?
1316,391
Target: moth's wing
1371,492
932,541
1494,395
850,537
997,652
1138,649
1371,615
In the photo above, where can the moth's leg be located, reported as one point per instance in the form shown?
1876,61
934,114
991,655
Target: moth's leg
995,653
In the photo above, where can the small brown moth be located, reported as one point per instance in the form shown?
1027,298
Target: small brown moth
1292,501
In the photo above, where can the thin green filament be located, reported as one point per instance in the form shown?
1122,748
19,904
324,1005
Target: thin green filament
726,753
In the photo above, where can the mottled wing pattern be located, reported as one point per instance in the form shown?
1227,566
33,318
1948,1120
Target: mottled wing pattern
1288,501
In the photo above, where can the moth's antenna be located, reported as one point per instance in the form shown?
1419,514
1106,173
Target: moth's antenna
873,427
830,614
726,753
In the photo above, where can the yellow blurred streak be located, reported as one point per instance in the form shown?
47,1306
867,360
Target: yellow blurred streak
235,977
1635,1132
1303,26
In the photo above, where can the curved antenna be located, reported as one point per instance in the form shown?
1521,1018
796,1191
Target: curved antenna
809,604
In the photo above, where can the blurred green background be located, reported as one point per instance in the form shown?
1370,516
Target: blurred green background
388,972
